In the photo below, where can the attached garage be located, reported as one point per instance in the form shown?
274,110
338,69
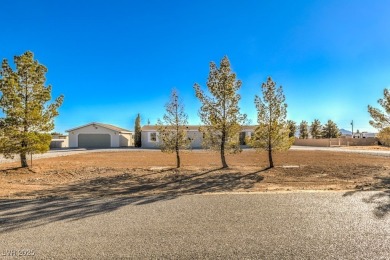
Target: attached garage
94,141
98,135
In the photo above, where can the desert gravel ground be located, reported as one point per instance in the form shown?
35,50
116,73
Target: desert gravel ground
149,172
372,150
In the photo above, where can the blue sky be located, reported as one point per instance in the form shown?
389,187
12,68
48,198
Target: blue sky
114,59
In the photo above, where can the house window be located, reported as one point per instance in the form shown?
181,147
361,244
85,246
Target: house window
153,137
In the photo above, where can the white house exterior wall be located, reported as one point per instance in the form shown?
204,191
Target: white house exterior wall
73,135
145,140
196,137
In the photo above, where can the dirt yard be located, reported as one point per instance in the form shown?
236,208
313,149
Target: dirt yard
151,173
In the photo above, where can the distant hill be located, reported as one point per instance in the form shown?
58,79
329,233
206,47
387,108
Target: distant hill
345,132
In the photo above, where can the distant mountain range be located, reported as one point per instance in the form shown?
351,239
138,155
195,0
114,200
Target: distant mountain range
345,132
364,135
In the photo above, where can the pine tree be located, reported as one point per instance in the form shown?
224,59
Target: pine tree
381,119
330,130
28,118
220,113
172,129
303,130
384,136
272,133
292,126
137,131
316,129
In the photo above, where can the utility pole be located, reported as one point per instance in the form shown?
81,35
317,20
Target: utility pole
352,128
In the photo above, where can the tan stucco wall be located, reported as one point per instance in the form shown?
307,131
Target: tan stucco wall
59,141
126,140
336,141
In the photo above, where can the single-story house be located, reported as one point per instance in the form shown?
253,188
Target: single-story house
149,136
363,135
98,135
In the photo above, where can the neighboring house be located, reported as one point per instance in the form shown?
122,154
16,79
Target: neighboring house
149,136
364,135
98,135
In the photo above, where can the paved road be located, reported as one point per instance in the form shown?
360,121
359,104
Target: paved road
324,225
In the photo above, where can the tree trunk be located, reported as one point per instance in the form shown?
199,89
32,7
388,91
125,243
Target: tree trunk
23,160
271,162
177,158
223,159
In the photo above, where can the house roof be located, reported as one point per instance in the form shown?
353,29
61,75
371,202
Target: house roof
154,127
248,127
193,127
108,126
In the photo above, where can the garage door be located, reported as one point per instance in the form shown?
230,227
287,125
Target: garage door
94,141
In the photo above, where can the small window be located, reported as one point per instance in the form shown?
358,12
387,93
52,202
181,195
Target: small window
153,137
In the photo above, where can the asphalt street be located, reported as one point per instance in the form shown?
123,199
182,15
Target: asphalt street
305,225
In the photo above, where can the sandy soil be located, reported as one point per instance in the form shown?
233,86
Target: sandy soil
151,173
371,148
